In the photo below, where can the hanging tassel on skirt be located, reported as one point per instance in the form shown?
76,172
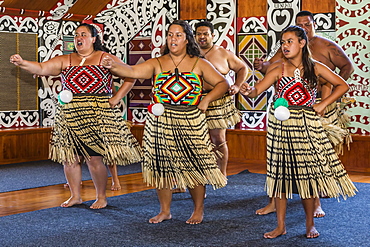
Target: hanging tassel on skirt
222,113
335,123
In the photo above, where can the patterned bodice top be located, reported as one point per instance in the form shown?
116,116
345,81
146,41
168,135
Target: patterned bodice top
296,92
87,79
183,88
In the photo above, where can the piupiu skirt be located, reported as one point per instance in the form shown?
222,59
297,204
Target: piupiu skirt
89,126
301,159
222,113
335,122
178,151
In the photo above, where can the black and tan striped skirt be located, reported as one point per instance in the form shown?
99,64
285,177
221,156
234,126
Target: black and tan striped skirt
301,159
222,113
88,126
178,151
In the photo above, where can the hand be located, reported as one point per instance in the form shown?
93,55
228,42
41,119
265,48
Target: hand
203,105
114,101
319,109
258,63
107,62
234,89
245,89
16,59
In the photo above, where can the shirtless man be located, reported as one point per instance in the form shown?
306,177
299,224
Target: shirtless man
221,113
322,50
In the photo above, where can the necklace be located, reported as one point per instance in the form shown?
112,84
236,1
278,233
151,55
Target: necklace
297,71
208,50
84,57
176,65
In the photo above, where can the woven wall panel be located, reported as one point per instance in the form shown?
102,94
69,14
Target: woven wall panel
18,89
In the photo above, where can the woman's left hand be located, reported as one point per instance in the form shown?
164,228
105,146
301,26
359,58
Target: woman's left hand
114,101
203,105
319,109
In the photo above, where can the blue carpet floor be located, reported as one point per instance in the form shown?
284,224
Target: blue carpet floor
229,221
44,173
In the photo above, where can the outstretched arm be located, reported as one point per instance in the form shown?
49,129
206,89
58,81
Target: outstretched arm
262,66
52,67
144,70
264,84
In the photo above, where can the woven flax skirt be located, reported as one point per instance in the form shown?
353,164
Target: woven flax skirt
301,159
178,151
88,121
222,113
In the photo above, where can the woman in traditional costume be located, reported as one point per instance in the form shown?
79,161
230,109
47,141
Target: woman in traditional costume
176,144
89,126
300,157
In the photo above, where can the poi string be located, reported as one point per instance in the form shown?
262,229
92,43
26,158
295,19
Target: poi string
176,69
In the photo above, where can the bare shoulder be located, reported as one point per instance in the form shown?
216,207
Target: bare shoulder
274,64
202,65
226,52
320,67
324,42
276,69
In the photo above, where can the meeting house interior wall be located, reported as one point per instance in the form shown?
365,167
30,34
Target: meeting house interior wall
135,30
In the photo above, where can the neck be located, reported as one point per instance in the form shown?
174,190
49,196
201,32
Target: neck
85,55
295,62
312,38
207,50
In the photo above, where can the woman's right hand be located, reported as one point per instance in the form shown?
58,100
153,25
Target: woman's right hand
245,89
16,59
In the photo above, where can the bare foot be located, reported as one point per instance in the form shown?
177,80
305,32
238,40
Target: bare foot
270,208
99,203
70,202
275,233
160,217
312,233
115,186
318,212
196,218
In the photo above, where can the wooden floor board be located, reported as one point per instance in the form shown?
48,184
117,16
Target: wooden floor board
22,201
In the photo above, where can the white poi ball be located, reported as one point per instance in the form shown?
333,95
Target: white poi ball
282,113
66,96
156,109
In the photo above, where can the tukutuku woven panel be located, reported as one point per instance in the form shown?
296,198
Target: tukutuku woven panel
18,88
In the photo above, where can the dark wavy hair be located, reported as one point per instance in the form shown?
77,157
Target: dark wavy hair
98,46
305,13
192,48
307,62
205,24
